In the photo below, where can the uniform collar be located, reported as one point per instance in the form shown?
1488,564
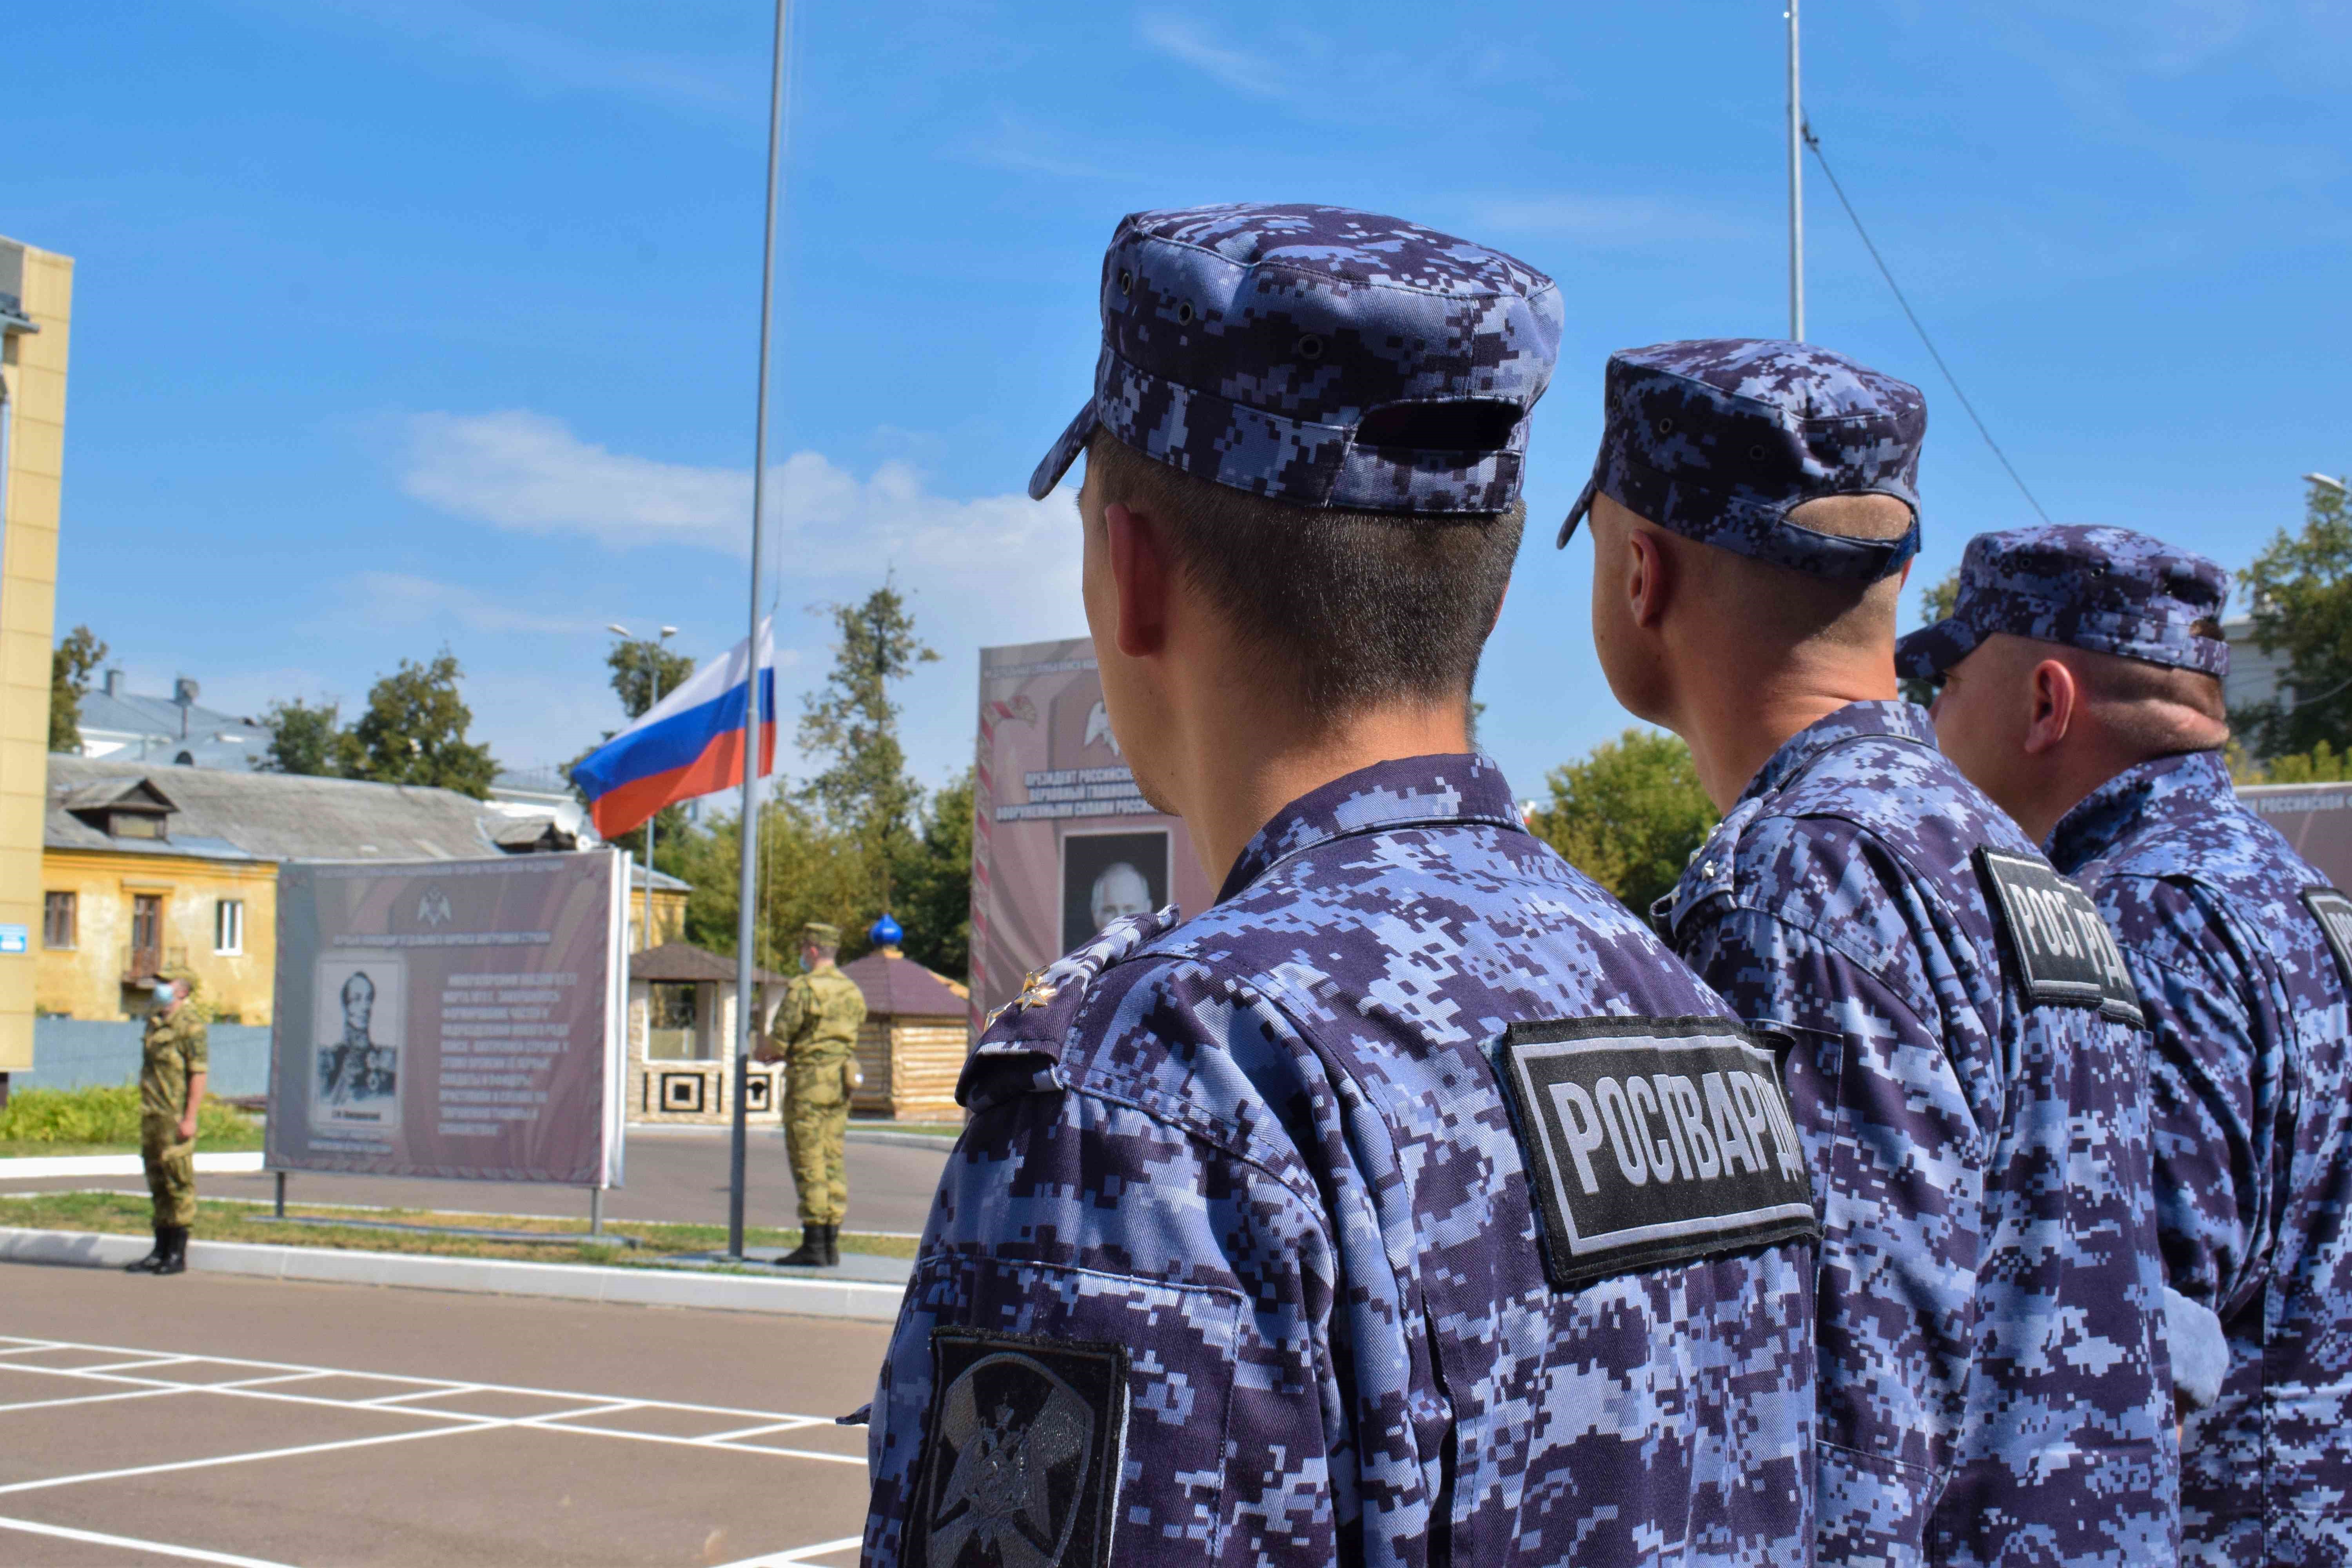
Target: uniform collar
1856,721
2104,817
1410,791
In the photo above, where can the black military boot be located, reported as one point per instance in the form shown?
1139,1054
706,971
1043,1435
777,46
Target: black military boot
176,1254
149,1264
814,1250
832,1246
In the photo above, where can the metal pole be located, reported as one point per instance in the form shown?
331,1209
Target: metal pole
660,642
281,1194
748,885
1796,191
595,1211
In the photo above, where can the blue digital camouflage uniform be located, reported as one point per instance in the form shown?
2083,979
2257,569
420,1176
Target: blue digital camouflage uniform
2223,927
1993,1380
1266,1152
1993,1384
1412,1203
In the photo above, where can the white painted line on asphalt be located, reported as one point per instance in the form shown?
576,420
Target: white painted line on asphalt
459,1421
131,1543
795,1425
452,1386
799,1554
98,1399
124,1474
136,1366
44,1167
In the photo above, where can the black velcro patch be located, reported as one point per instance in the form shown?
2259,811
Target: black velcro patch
1650,1140
1021,1459
2063,948
2333,910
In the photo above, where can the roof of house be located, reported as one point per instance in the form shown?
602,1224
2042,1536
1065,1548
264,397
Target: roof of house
129,713
227,814
895,986
684,961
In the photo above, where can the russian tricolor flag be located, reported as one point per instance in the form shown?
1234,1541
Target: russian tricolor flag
687,744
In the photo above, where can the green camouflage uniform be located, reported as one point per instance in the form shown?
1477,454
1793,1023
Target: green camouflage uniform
816,1031
173,1053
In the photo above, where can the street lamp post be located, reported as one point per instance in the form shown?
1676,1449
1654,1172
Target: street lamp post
666,633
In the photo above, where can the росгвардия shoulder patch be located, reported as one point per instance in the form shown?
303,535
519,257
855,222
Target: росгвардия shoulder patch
2333,910
1653,1141
2055,935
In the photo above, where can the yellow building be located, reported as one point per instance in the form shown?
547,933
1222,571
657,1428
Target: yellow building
36,305
149,868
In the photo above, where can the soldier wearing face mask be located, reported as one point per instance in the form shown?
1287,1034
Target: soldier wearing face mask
173,1062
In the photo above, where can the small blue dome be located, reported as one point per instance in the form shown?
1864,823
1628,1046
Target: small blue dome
885,932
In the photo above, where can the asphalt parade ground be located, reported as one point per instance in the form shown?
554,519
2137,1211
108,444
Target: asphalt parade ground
673,1174
210,1419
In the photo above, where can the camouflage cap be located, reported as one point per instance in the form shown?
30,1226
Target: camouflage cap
821,934
1718,439
2109,590
1319,356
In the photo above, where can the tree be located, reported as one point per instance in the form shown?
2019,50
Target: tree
2301,589
1627,815
863,790
644,671
70,666
935,883
305,738
414,731
807,872
2321,764
1935,602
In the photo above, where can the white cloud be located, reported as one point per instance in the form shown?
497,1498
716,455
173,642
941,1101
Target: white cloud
1186,41
399,599
990,570
526,471
529,472
539,58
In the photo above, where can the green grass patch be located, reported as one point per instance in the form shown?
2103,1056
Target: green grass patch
105,1119
567,1240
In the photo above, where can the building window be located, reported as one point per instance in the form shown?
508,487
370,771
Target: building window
672,1026
57,919
228,925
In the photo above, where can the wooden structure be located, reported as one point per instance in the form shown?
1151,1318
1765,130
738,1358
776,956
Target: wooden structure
681,1033
917,1032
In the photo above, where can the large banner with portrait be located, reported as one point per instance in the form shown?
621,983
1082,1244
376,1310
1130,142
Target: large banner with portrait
1062,842
452,1018
2316,818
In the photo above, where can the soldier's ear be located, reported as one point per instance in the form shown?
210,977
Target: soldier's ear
1142,580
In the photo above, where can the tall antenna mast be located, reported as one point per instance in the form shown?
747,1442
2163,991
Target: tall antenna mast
1796,190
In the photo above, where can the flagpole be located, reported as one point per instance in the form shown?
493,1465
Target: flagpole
1796,190
747,886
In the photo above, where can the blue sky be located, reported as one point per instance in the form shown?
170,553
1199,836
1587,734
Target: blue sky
410,323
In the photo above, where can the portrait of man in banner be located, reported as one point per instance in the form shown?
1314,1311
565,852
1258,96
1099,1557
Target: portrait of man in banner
1107,875
356,1043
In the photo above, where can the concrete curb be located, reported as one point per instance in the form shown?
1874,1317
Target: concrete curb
39,1166
853,1299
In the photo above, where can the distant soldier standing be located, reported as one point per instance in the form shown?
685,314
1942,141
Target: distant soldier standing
815,1032
171,1086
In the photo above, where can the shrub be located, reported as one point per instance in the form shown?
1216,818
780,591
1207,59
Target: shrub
107,1114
